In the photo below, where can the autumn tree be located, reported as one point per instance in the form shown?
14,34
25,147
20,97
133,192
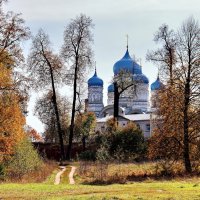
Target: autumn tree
179,104
45,111
77,53
12,32
44,68
33,135
12,89
12,120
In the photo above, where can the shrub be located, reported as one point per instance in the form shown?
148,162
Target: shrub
124,144
102,154
130,141
24,160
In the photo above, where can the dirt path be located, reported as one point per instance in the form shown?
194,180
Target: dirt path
71,175
58,175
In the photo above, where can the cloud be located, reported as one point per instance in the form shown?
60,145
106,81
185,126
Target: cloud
64,9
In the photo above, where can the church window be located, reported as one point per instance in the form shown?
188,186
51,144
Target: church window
148,127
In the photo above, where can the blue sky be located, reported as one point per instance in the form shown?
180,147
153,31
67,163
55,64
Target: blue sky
113,19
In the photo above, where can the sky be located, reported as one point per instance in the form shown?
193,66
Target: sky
113,20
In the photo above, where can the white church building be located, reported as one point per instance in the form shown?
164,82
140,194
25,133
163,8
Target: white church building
133,106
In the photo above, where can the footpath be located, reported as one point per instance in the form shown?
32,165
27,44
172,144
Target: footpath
71,175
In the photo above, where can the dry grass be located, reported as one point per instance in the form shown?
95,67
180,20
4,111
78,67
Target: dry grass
96,172
107,173
37,176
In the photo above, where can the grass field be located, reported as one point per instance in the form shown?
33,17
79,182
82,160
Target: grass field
179,189
168,190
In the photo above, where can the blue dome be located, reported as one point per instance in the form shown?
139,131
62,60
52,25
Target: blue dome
95,80
127,64
157,85
111,88
136,68
141,78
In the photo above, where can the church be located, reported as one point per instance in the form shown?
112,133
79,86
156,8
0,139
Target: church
133,106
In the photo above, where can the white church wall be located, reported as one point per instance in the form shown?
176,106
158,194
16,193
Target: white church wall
144,125
110,100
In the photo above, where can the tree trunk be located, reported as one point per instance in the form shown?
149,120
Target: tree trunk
116,102
186,150
62,152
171,66
84,142
71,133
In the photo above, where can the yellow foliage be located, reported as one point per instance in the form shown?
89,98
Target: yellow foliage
5,76
12,120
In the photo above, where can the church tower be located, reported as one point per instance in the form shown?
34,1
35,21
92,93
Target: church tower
155,87
133,100
95,94
110,100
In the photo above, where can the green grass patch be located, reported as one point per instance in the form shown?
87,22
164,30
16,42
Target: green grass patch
65,175
173,190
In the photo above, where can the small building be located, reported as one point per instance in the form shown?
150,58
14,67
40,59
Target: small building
141,120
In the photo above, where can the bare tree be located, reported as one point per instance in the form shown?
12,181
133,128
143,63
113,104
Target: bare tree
183,115
12,32
77,52
164,57
188,72
44,68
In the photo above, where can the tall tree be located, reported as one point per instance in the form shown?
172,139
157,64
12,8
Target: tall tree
78,53
44,68
182,94
188,50
12,32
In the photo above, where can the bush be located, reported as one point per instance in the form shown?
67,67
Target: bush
124,144
102,154
128,142
24,160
